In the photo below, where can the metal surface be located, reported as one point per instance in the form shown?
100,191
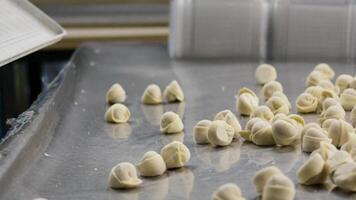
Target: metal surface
24,29
67,150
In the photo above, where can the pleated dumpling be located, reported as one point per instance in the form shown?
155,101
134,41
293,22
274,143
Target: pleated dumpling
314,78
278,187
332,112
271,87
220,133
325,150
175,155
116,94
200,132
285,132
229,118
117,113
313,137
124,176
262,176
348,98
337,159
246,102
229,191
151,164
263,112
340,132
265,73
261,133
313,171
345,177
277,105
343,82
171,123
306,103
326,71
173,92
152,95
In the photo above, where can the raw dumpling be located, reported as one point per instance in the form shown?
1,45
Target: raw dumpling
348,99
284,97
263,112
306,103
278,187
327,84
343,82
340,132
271,87
333,112
124,176
314,78
117,113
200,131
152,164
171,123
353,116
173,92
116,94
307,127
261,133
265,73
285,132
247,131
312,139
313,171
345,177
326,70
330,102
337,159
220,133
175,154
277,105
326,150
247,101
316,91
229,191
262,176
229,118
152,95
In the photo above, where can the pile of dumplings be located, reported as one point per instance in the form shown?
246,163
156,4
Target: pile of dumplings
330,141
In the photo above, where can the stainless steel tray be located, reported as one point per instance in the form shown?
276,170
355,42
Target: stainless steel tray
61,148
24,29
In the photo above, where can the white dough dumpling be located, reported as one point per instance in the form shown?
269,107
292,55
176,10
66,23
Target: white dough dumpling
265,73
325,70
263,112
343,82
283,96
229,118
246,102
313,171
124,176
312,139
306,103
173,92
200,132
325,150
116,94
337,159
171,123
332,112
353,116
271,87
285,131
340,132
348,99
261,133
314,78
345,177
229,191
277,105
152,95
220,133
175,154
117,113
278,187
261,177
151,164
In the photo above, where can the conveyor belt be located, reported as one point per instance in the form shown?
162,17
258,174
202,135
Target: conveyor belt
65,150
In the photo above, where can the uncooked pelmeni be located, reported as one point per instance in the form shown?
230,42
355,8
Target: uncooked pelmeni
220,133
348,99
265,73
246,102
247,131
316,91
333,112
261,177
325,94
350,147
284,97
307,127
343,82
277,105
327,84
271,87
200,132
229,191
151,164
263,112
285,131
173,92
175,154
340,132
312,139
124,176
117,113
278,187
353,116
325,150
152,95
171,123
326,70
345,177
313,171
330,102
279,116
116,94
337,159
306,103
297,120
261,133
314,78
229,118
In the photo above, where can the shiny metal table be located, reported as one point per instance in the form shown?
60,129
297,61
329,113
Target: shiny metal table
61,148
